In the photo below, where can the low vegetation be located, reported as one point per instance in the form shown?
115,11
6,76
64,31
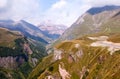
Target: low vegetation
18,54
81,61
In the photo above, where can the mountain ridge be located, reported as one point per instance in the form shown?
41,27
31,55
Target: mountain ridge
18,54
96,10
88,23
27,29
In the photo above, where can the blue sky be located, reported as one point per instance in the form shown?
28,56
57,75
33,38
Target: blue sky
47,3
55,11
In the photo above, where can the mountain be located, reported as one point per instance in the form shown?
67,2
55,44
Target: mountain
27,29
88,57
96,10
51,30
18,54
89,49
97,19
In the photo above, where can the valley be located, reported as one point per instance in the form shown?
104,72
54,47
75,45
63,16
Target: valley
88,49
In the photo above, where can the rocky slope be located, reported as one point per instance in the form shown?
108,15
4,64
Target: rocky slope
98,19
89,49
82,59
18,54
27,29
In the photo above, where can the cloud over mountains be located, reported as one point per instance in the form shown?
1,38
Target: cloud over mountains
59,11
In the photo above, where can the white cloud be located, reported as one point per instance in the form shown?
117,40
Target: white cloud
59,4
24,8
20,9
61,12
67,13
3,3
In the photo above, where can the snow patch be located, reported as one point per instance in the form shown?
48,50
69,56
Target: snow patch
100,38
102,41
112,47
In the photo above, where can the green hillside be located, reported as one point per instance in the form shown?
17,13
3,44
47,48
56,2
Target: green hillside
18,54
77,59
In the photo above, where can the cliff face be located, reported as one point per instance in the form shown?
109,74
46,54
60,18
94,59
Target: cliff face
18,54
8,62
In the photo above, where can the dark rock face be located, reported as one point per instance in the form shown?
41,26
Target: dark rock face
97,10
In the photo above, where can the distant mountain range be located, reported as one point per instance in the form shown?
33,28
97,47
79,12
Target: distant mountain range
43,35
26,28
52,30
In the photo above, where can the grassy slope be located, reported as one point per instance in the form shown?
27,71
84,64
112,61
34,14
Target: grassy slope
97,60
7,37
10,74
8,41
99,63
9,47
